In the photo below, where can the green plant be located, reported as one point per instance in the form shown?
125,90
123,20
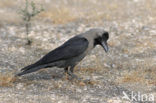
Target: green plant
27,14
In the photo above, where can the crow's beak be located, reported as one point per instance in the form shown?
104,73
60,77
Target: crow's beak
105,46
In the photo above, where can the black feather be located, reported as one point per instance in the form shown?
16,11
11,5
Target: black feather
72,48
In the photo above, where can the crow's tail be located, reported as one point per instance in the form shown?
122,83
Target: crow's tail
30,68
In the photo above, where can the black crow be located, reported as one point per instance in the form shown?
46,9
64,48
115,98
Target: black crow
69,54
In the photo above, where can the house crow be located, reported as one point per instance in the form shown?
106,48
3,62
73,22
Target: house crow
69,54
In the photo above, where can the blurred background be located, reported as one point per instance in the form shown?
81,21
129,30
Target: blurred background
130,64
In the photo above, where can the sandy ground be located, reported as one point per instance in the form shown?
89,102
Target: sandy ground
129,67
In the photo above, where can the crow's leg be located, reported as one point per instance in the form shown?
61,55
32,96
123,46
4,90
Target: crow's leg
70,72
66,69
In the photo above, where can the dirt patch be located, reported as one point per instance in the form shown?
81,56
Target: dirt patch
129,65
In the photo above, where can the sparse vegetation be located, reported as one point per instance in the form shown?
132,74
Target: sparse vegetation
27,14
6,79
59,15
141,76
130,64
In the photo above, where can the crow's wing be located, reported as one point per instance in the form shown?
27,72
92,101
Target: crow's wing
72,48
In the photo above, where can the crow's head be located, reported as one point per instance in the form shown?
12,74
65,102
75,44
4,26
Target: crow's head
100,38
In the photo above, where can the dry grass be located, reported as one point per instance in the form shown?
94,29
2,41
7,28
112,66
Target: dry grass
11,16
141,76
7,79
132,77
58,15
7,3
60,12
